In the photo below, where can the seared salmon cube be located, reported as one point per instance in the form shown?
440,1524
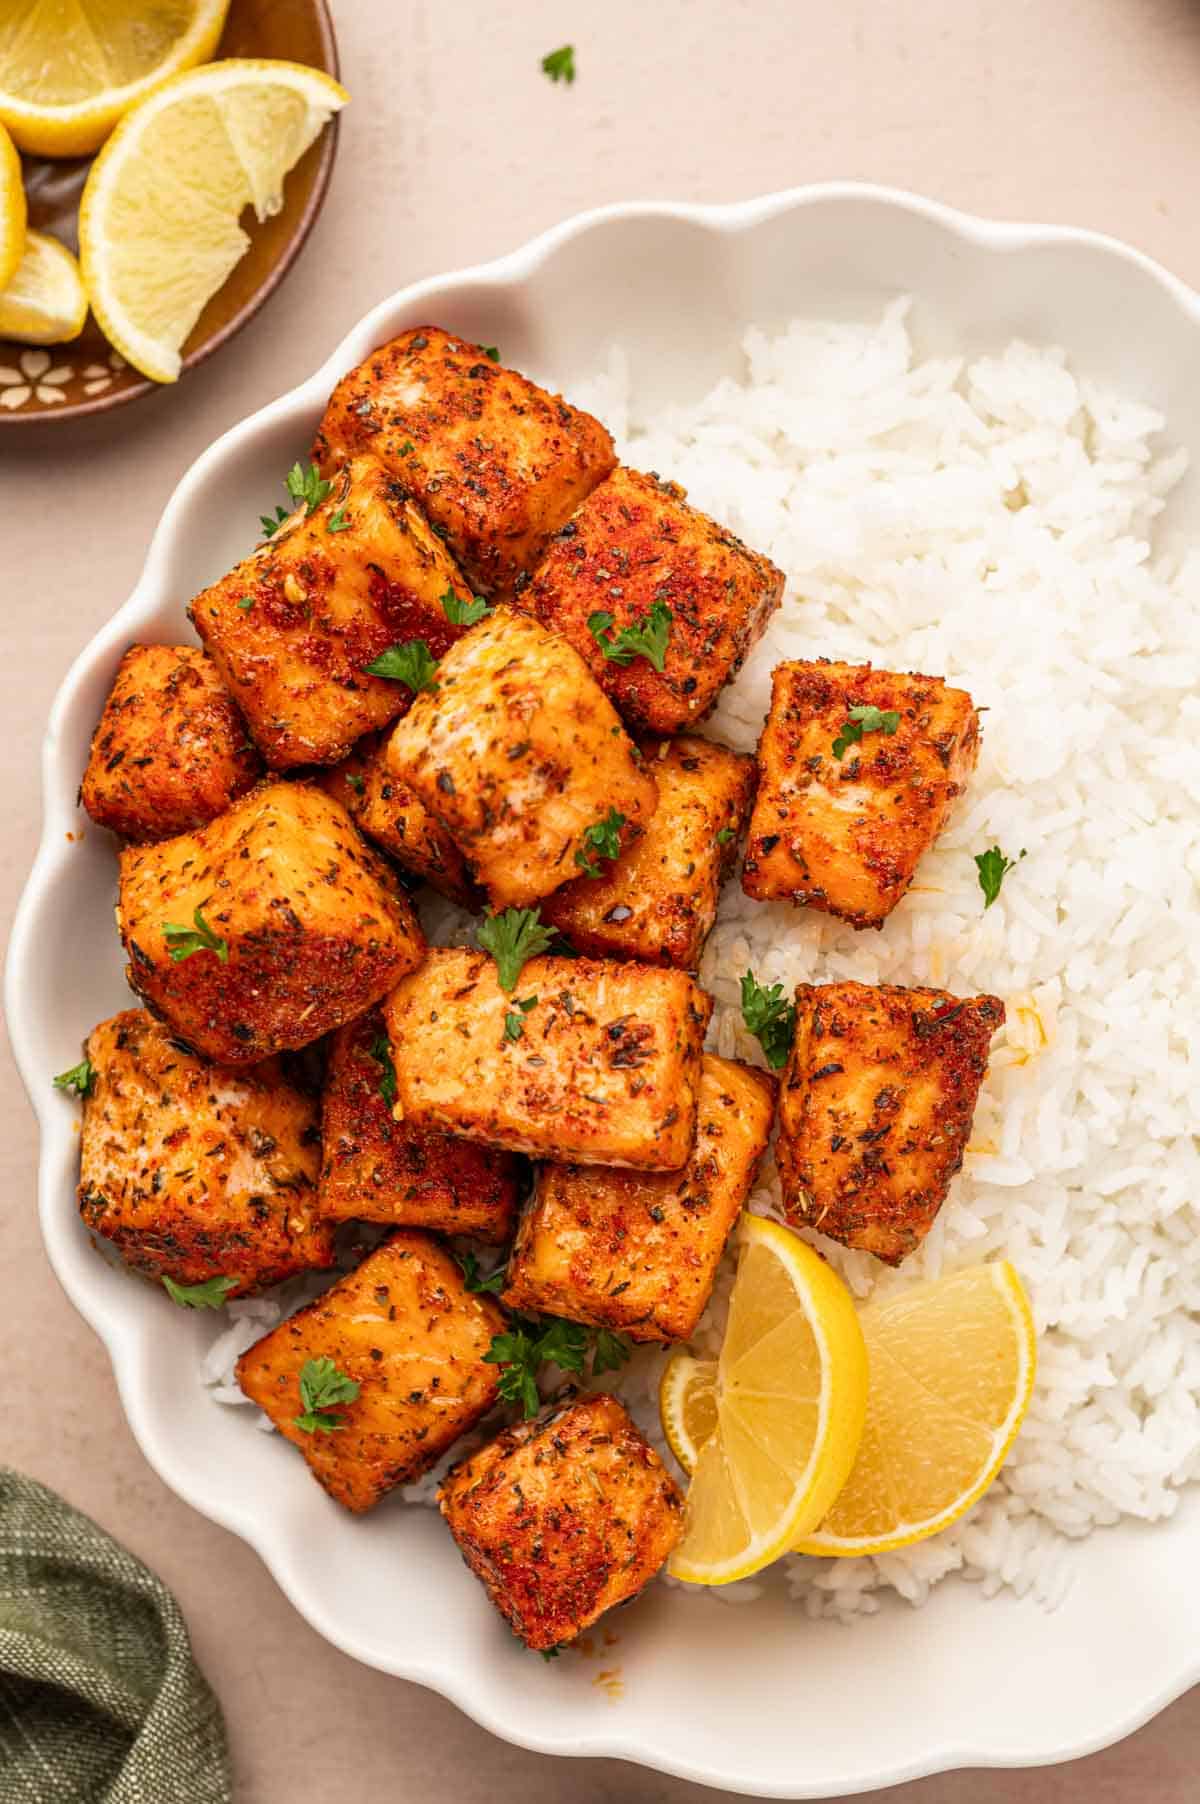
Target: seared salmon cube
390,812
585,1061
857,771
376,1167
267,928
522,759
563,1517
171,750
193,1171
293,627
495,462
638,1251
876,1108
406,1332
637,556
657,902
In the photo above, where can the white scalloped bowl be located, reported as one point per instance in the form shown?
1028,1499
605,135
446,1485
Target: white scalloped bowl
755,1698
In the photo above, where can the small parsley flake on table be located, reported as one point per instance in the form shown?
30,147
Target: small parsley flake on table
645,638
322,1386
559,65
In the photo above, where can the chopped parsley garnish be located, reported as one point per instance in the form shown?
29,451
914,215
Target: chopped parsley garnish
246,602
304,485
513,938
321,1386
864,720
646,638
531,1342
559,65
357,781
412,663
491,352
604,839
514,1027
492,1285
337,522
81,1078
211,1294
769,1018
183,941
724,836
407,448
993,867
464,613
381,1052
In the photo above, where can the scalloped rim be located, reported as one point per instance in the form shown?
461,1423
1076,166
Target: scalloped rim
124,1346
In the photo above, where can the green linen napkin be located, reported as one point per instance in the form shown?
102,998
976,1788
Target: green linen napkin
101,1701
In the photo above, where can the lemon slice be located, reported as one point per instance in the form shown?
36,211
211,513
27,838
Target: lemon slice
158,222
45,303
952,1369
787,1399
69,69
12,209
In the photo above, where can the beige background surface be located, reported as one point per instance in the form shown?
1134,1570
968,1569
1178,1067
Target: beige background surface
1085,111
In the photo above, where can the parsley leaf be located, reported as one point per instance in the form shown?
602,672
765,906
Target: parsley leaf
769,1018
559,65
357,781
211,1294
514,1027
864,720
464,613
337,522
412,663
493,1283
604,837
81,1078
645,638
304,484
183,941
492,352
993,867
724,836
246,602
268,525
513,938
321,1386
610,1352
531,1342
381,1052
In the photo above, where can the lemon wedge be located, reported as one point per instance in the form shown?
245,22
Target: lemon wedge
952,1370
158,222
69,69
45,302
12,209
775,1421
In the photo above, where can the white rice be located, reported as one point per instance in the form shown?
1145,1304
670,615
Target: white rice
992,523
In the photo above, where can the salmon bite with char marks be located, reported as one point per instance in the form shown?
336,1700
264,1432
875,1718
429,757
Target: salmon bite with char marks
594,1062
876,1108
494,461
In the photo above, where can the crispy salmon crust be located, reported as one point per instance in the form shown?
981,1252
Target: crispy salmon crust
495,462
563,1517
876,1108
194,1171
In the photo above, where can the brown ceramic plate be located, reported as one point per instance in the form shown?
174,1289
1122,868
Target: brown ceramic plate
87,375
